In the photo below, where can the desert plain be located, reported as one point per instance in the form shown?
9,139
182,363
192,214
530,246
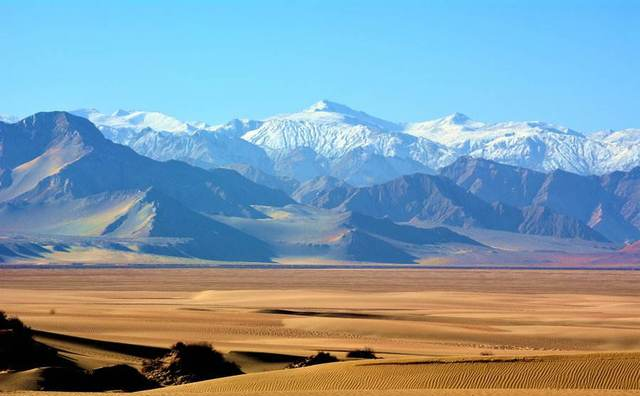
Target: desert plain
435,332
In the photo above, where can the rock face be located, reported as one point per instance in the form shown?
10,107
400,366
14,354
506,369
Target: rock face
439,200
607,204
156,215
493,182
59,175
322,192
406,233
282,183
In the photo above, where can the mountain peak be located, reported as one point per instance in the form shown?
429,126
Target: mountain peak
60,119
457,118
45,127
329,106
121,113
9,119
346,113
85,112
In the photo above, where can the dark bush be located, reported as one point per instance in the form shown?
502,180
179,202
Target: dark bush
186,363
119,377
365,353
18,349
319,358
64,379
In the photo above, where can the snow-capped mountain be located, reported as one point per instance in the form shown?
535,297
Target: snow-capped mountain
163,138
8,118
625,136
345,143
330,139
624,148
535,145
321,140
139,120
333,130
59,175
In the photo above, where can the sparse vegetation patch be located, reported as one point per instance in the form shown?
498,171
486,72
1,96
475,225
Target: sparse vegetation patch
186,363
319,358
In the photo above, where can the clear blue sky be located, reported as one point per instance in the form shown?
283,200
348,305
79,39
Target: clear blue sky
572,62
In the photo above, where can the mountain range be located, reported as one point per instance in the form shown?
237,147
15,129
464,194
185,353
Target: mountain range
329,183
61,178
438,200
331,139
60,175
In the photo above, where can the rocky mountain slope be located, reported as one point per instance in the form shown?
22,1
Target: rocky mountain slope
59,175
607,204
437,199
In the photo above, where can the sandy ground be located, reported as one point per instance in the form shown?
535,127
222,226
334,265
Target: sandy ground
591,318
551,372
389,392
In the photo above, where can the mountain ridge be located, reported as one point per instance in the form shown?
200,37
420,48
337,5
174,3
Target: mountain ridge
332,131
439,200
597,201
60,175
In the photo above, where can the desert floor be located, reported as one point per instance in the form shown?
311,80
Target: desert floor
452,332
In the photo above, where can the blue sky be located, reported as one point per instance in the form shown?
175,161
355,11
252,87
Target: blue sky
576,63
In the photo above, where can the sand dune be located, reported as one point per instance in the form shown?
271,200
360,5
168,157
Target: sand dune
22,380
612,371
392,392
433,392
485,331
398,313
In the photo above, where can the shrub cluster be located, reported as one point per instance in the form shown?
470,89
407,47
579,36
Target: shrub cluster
18,349
319,358
186,363
365,353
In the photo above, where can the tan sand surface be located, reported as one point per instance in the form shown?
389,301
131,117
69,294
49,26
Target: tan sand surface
619,371
398,313
388,392
574,329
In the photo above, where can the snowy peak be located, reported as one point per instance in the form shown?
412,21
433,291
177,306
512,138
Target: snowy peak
138,120
8,119
328,132
332,107
452,128
533,127
328,111
121,113
456,119
444,129
625,136
236,127
332,131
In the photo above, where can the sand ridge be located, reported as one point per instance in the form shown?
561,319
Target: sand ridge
607,371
